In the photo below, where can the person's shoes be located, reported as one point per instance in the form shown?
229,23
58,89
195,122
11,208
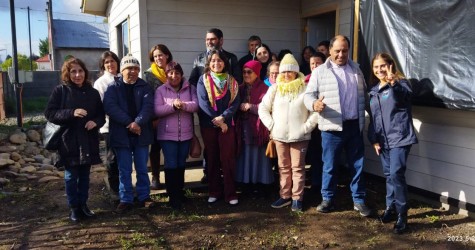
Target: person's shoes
362,209
281,203
86,211
326,206
147,203
388,215
401,224
296,206
212,199
204,179
233,202
74,214
123,208
155,184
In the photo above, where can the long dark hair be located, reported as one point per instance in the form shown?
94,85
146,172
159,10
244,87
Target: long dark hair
268,50
222,56
164,49
106,54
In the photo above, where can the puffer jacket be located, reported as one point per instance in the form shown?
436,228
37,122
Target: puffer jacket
288,120
115,105
78,145
323,82
175,125
391,116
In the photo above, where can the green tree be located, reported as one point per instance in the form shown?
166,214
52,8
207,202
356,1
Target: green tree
23,63
44,47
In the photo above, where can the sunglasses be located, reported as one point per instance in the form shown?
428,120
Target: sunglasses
247,72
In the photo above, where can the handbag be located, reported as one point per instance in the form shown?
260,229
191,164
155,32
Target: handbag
195,146
52,132
271,151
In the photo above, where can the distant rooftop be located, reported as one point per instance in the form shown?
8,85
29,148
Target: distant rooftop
43,59
76,34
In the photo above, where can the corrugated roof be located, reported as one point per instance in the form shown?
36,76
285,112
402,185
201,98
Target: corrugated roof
76,34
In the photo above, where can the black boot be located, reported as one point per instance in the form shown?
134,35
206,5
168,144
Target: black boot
171,186
180,177
74,214
388,215
86,211
401,224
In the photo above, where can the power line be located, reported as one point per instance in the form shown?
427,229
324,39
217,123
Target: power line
54,12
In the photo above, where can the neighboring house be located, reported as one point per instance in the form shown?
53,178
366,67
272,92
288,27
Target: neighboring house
44,63
443,161
85,41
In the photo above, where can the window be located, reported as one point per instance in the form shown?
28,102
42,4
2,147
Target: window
123,38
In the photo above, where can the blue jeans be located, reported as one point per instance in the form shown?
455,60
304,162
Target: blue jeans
333,142
394,168
139,156
175,153
76,180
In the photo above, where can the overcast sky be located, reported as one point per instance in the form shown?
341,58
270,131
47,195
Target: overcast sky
62,9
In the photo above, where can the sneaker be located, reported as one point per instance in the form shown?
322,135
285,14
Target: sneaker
296,206
204,179
212,199
147,203
123,208
281,203
233,202
325,206
363,209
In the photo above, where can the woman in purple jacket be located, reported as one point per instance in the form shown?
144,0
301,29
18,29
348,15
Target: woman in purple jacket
392,134
175,103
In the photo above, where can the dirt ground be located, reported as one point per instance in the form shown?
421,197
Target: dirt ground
38,219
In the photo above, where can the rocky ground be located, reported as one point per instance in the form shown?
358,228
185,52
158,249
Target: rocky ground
34,215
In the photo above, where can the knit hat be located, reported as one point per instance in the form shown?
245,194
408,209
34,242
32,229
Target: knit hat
289,63
254,66
129,61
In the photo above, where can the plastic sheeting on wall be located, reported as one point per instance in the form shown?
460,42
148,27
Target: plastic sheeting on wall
433,43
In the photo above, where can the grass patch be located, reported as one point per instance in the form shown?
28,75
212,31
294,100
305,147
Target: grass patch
139,240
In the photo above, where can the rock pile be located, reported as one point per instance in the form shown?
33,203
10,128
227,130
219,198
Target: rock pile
23,159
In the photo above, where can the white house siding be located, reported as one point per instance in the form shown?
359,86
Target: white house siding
444,160
342,8
118,11
182,25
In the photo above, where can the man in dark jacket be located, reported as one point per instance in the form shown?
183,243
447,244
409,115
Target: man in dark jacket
214,40
129,104
252,43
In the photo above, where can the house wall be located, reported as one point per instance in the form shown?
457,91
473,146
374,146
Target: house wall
182,25
342,8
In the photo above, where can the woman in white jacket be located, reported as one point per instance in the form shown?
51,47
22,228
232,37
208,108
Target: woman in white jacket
290,124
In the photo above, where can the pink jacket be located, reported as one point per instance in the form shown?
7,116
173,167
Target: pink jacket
175,125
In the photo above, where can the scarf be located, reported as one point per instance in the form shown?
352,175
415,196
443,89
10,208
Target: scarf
158,72
290,89
216,91
254,94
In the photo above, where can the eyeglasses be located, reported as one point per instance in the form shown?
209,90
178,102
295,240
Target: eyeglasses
247,72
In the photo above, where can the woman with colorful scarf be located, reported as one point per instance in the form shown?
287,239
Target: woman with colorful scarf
290,124
156,76
219,100
254,169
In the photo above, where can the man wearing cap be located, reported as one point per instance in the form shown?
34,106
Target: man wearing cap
336,91
129,104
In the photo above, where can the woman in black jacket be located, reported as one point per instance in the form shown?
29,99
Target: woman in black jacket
80,114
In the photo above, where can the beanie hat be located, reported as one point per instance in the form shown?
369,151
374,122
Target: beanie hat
129,61
289,63
254,66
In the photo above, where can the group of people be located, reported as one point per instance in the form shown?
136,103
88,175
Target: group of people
242,105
